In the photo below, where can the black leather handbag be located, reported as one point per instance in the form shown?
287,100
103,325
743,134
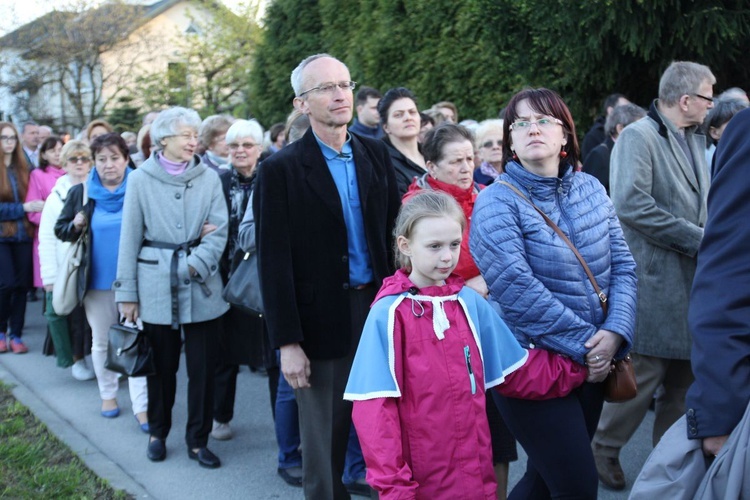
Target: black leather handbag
243,288
129,352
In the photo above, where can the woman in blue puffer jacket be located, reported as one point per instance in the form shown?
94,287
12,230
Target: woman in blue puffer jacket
543,291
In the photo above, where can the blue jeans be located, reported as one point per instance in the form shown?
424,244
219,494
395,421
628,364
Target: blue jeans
287,425
354,467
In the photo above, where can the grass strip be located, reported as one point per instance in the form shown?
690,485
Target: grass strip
34,464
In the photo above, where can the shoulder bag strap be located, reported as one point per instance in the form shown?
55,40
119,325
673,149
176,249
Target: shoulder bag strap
599,293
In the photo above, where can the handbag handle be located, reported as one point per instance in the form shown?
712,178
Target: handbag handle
599,293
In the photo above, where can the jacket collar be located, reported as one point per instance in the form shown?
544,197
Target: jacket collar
195,168
400,283
665,126
536,185
654,114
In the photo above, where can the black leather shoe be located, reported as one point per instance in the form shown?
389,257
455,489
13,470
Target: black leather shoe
157,450
205,458
291,476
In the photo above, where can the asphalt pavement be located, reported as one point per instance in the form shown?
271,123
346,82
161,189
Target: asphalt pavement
115,449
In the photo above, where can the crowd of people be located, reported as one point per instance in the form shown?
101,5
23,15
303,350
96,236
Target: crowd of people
421,312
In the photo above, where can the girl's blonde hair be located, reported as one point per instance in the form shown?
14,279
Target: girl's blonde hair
424,204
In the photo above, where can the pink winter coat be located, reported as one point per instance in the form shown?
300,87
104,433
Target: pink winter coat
418,384
41,183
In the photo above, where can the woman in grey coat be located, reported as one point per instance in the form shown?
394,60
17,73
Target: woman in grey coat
174,231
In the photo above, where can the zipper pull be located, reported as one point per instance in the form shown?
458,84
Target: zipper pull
467,356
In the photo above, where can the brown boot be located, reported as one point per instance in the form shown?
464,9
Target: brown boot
610,471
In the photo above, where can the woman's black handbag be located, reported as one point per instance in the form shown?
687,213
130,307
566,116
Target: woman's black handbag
243,288
129,352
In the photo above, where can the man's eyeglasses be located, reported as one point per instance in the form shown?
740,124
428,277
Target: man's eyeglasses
542,123
8,138
79,159
709,99
489,144
329,88
245,145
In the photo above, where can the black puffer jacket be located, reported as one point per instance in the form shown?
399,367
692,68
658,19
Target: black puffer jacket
66,231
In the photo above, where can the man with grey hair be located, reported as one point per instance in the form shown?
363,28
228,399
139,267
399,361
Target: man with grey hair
597,161
659,185
325,206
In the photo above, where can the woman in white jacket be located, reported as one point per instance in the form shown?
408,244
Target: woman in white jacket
75,159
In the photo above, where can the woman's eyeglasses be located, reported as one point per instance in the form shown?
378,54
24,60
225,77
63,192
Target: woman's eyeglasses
8,138
489,144
187,136
542,123
79,159
245,145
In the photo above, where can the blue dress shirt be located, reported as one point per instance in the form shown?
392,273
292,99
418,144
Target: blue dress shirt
341,166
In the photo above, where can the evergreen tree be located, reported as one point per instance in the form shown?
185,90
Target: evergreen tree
292,31
478,53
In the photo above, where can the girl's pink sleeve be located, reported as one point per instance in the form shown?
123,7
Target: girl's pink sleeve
545,375
34,193
379,430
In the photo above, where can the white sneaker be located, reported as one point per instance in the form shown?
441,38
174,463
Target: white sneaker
81,371
220,431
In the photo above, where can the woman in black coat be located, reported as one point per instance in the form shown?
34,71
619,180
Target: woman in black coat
244,339
401,123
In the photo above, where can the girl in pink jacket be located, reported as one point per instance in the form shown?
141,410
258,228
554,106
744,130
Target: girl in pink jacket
429,350
41,182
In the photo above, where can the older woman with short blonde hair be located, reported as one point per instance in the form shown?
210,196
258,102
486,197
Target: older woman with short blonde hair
96,128
489,143
212,136
69,334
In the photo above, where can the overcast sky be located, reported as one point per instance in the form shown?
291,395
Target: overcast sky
15,13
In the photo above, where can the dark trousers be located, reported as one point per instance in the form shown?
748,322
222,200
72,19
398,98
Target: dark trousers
200,359
80,333
503,443
225,390
15,281
556,435
243,341
325,418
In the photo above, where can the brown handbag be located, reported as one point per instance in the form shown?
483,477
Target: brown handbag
620,384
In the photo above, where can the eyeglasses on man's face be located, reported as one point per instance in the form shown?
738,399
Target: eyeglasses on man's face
8,138
705,98
542,123
330,87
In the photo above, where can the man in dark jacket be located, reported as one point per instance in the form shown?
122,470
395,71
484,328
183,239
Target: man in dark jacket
325,207
719,316
597,162
596,134
367,123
